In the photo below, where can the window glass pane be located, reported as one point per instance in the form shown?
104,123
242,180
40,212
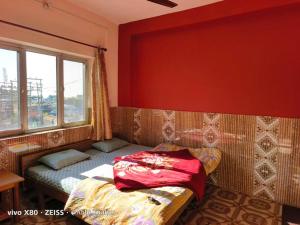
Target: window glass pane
9,91
74,110
41,90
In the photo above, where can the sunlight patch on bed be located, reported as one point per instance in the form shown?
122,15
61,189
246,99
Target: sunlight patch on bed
105,171
67,183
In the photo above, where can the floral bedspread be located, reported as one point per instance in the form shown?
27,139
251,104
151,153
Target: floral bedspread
98,201
148,169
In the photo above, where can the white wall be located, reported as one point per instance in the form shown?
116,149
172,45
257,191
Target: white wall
64,19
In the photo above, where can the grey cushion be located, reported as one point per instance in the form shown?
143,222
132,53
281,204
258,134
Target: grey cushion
110,145
62,159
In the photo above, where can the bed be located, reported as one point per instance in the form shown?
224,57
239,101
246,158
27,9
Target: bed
58,184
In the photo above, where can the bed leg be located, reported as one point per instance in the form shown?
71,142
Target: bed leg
41,200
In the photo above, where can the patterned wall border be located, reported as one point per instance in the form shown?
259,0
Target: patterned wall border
168,127
137,126
266,151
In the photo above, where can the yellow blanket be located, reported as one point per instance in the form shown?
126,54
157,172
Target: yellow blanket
98,201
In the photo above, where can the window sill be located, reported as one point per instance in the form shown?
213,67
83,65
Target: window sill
24,135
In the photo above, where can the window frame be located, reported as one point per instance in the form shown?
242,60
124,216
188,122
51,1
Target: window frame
85,89
45,52
20,129
22,83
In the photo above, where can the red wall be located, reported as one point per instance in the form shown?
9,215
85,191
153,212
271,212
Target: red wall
243,64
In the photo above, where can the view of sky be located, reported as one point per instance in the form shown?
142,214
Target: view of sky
8,62
43,67
73,78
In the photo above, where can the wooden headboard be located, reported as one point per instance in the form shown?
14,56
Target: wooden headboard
30,159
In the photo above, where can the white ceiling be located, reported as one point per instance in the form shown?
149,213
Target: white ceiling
124,11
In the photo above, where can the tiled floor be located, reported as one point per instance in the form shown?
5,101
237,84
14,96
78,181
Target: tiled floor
218,207
224,207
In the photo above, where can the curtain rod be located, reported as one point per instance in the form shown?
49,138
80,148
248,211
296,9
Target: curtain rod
50,34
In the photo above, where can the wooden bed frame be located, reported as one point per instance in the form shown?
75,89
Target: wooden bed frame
43,191
31,159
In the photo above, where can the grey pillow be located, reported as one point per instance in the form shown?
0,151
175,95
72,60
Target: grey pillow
110,145
62,159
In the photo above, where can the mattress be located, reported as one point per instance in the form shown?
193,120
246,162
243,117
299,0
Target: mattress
99,164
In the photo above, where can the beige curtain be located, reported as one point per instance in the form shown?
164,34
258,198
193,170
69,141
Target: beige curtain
100,103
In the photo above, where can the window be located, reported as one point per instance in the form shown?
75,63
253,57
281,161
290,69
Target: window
74,103
40,90
9,90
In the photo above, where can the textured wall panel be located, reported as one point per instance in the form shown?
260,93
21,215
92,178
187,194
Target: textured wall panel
295,166
122,123
189,129
151,127
245,128
285,157
260,154
12,148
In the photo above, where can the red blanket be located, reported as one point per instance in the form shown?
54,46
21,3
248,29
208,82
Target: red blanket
155,169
